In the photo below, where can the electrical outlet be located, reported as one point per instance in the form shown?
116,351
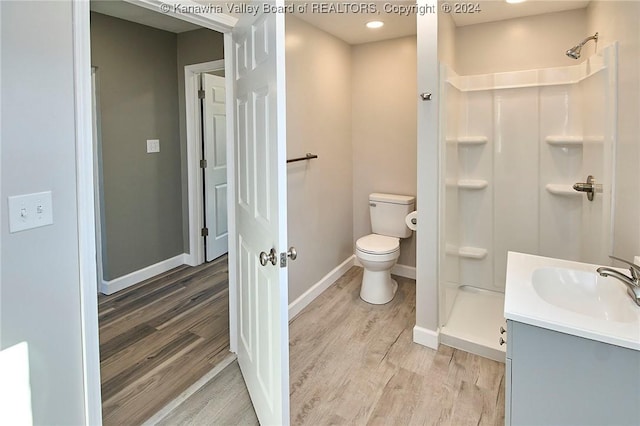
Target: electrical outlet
153,145
30,211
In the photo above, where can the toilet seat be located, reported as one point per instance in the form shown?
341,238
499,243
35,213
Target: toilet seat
375,244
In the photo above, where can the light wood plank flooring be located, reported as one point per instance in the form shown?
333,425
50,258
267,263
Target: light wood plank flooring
355,363
159,337
224,400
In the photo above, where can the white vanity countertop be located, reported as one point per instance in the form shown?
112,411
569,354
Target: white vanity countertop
523,304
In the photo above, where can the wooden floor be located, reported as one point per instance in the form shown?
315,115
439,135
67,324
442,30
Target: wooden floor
355,363
231,404
159,337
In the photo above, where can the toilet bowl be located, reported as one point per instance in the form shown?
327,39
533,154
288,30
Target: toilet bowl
379,251
378,254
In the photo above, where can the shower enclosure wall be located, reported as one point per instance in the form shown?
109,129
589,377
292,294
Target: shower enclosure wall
513,146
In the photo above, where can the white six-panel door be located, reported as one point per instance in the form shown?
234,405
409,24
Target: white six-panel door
214,117
263,335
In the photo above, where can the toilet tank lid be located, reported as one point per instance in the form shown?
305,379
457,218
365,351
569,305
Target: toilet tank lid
392,198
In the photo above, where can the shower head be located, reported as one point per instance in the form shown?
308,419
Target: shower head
574,52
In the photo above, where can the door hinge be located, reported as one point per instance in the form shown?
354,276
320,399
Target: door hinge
203,164
204,232
283,260
200,94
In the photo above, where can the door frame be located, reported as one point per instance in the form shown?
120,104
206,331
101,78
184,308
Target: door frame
97,176
194,154
87,266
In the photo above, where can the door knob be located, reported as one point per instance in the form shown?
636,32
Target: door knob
271,257
292,253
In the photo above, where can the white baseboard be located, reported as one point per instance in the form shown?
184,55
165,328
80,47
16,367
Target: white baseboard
426,337
316,290
117,284
404,271
399,270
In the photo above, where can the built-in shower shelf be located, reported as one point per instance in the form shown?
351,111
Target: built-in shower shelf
466,252
565,141
472,183
469,140
560,189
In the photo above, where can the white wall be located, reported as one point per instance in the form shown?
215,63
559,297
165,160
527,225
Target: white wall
532,42
426,329
40,301
618,20
320,211
384,111
518,123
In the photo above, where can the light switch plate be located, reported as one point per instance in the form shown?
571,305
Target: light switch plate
30,211
153,145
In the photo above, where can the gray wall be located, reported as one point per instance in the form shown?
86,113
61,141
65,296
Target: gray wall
40,301
384,129
194,47
137,72
320,209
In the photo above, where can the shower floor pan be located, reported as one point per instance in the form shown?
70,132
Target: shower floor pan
474,323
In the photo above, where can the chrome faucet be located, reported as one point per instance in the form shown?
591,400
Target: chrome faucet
632,282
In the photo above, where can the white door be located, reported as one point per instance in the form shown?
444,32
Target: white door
214,118
261,219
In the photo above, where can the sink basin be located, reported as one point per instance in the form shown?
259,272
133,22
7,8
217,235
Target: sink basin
572,298
585,293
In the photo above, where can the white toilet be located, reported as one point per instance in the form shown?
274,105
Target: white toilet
379,251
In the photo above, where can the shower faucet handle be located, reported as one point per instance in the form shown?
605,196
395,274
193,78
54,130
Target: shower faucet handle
590,187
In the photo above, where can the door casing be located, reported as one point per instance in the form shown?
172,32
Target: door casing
85,185
194,154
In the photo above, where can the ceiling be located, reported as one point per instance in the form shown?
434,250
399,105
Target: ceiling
349,25
141,15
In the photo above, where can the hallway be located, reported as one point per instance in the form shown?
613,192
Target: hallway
159,337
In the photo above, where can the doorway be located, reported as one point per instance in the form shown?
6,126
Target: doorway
171,327
208,174
261,118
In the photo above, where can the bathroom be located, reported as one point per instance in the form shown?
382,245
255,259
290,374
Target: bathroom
340,119
375,110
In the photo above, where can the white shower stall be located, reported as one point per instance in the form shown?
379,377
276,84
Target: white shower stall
513,144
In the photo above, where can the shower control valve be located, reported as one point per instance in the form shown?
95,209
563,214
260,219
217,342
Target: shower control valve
590,187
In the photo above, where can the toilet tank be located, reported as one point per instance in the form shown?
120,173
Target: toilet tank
387,213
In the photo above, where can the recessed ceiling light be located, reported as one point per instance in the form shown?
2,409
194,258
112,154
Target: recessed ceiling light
515,1
374,24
